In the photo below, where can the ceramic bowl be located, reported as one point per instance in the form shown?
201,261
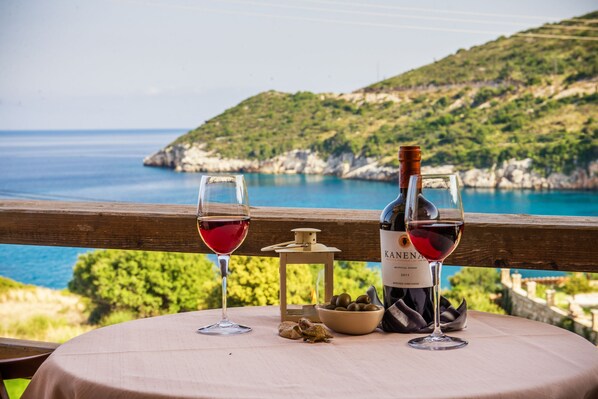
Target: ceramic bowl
353,323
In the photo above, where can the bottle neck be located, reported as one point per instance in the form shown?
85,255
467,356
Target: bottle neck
406,169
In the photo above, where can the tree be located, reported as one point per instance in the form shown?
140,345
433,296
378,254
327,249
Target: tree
485,279
476,285
138,283
255,281
142,283
355,278
577,283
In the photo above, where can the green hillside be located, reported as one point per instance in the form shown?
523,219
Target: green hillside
528,58
517,97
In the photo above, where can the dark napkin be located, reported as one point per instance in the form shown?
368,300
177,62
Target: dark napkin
402,319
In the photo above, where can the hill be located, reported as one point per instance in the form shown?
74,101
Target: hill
529,96
37,313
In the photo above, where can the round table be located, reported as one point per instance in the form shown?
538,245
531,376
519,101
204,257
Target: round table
163,357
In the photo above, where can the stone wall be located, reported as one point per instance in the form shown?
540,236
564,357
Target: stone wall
524,303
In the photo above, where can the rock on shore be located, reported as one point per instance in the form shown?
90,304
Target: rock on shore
510,174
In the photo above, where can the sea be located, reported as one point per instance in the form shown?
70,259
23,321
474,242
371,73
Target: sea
107,165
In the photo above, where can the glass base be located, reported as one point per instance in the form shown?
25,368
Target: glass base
437,343
224,328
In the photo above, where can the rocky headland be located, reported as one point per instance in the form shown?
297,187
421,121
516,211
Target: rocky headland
503,114
512,174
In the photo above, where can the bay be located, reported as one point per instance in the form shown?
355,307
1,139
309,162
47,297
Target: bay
106,165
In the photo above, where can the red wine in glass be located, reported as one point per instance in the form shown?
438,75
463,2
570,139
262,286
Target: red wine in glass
222,223
223,235
435,240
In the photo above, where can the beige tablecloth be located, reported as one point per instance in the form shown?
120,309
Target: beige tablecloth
163,357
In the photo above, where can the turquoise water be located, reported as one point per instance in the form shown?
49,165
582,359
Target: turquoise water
107,166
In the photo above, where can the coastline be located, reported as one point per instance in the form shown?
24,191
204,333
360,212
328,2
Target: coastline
511,174
63,166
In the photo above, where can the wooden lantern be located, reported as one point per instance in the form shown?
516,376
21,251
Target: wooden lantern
305,249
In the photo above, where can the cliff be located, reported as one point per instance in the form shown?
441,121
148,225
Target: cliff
509,174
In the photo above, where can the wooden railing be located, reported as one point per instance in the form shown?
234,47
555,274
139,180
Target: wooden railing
489,240
14,348
512,241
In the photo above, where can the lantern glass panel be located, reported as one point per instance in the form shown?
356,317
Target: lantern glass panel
304,284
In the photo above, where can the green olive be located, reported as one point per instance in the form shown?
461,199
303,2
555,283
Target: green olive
333,300
343,300
341,308
353,307
363,299
370,307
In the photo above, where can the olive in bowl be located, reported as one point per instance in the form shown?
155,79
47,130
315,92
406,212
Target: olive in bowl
355,318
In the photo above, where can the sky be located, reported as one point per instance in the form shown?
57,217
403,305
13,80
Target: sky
126,64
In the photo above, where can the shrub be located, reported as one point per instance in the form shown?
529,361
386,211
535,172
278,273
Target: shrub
483,95
476,285
484,278
577,283
143,283
116,317
255,281
355,278
123,285
7,284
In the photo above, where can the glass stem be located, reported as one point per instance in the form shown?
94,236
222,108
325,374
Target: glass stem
223,263
436,268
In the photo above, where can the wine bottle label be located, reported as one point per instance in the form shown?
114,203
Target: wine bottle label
402,265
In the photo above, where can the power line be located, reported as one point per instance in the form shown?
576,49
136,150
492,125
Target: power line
368,13
348,22
312,19
387,7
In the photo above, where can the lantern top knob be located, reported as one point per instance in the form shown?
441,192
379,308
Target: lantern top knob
305,241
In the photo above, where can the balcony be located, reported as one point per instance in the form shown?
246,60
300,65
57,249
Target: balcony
490,240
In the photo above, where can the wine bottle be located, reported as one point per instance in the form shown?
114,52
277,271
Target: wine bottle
405,273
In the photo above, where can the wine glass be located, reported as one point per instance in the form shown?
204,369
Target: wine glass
223,221
434,221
